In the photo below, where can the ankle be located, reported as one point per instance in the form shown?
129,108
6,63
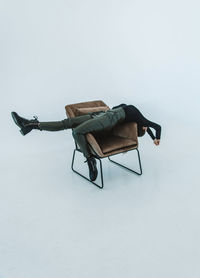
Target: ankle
39,127
33,125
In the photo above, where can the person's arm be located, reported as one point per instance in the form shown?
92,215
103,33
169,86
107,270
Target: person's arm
157,129
156,139
149,131
121,105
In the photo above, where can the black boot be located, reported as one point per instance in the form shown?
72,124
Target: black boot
93,172
25,125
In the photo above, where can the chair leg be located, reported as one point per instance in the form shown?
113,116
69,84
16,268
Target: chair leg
138,173
101,171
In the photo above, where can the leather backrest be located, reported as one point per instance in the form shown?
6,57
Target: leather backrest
71,108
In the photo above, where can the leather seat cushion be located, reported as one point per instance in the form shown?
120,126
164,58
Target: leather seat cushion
112,143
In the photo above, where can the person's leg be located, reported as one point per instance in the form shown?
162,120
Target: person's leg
64,124
27,125
87,123
98,124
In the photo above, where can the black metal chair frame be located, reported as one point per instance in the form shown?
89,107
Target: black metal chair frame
101,168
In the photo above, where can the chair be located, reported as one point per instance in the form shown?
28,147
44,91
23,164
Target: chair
122,138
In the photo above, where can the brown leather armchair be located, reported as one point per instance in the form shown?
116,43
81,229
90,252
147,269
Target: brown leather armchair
122,138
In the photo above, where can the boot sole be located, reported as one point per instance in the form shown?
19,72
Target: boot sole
24,130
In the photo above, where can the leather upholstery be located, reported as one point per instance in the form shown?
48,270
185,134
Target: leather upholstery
71,109
121,138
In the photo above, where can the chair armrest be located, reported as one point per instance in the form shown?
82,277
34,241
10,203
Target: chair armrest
126,130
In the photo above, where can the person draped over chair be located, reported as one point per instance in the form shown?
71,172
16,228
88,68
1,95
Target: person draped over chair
100,121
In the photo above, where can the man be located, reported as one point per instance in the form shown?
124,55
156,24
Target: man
92,122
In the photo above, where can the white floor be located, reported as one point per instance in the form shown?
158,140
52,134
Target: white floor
56,224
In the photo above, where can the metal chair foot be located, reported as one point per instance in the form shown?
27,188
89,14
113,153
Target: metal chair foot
138,173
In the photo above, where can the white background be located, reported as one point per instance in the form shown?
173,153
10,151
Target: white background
52,222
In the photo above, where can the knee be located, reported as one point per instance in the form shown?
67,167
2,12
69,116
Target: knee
76,132
67,123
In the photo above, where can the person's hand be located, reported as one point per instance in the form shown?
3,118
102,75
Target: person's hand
156,142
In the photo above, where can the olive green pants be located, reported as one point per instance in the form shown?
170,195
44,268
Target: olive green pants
92,122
